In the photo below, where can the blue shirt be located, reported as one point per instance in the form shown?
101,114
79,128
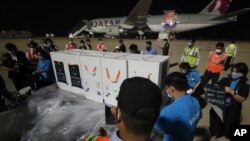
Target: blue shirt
152,51
193,77
45,65
179,119
233,84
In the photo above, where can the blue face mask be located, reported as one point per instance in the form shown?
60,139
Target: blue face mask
236,75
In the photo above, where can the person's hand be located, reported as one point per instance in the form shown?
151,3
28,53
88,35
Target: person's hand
229,90
114,111
34,72
193,90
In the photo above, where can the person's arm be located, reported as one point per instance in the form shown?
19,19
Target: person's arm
66,47
235,51
167,121
236,95
198,56
155,51
27,55
8,69
198,81
47,68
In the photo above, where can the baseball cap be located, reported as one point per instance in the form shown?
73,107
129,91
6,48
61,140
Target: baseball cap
139,98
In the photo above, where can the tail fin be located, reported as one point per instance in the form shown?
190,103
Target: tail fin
217,7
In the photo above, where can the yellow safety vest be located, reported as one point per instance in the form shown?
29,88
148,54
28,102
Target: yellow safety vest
190,55
231,49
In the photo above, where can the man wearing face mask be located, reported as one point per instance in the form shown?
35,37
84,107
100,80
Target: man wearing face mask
237,91
193,78
191,54
149,50
179,119
16,64
70,45
30,54
215,64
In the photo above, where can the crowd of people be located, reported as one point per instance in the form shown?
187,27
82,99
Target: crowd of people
138,114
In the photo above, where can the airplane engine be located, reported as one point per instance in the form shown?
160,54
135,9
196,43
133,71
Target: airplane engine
114,31
163,35
169,20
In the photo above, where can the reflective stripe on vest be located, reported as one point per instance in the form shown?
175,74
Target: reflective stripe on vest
231,49
212,64
190,56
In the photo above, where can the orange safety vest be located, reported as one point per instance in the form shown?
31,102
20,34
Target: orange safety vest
100,47
70,46
215,63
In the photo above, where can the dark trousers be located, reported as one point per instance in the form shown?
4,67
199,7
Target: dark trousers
216,126
231,118
209,75
227,63
6,95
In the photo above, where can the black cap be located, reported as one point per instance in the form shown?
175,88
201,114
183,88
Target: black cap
137,94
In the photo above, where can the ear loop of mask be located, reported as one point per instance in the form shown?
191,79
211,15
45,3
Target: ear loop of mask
118,115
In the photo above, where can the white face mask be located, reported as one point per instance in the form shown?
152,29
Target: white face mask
218,51
190,44
170,96
183,71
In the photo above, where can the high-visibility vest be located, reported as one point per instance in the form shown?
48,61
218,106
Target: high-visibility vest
231,49
213,65
100,47
190,55
70,46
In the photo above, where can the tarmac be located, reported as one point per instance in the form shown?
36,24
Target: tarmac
176,51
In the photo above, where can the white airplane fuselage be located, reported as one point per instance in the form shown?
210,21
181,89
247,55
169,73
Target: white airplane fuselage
185,22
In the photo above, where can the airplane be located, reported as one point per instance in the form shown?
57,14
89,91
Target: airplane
138,21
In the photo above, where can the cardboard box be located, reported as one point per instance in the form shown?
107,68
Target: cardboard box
72,63
92,77
153,67
114,71
59,67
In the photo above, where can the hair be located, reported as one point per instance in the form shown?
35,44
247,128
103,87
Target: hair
185,65
133,47
100,39
220,44
10,47
193,40
149,43
43,53
242,68
120,41
140,127
233,40
177,80
88,40
82,41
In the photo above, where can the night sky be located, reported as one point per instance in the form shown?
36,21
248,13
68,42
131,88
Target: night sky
59,17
